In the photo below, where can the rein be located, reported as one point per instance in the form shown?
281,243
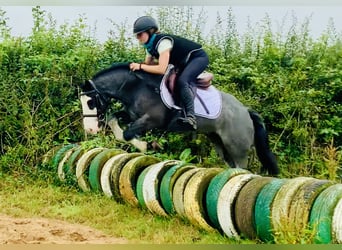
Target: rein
123,84
122,97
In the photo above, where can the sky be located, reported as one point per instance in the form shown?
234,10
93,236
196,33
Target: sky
20,17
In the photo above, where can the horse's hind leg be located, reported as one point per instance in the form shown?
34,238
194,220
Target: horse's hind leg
235,157
220,149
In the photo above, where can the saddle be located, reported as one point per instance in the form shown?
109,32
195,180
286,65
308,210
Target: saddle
203,80
207,101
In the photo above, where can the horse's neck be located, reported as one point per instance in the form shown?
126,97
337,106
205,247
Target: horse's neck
123,84
151,80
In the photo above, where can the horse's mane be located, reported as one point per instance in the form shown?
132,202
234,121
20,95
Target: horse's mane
150,78
123,65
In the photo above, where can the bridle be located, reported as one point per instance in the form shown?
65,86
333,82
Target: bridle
101,102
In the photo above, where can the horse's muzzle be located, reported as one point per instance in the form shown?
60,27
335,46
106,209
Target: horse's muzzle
90,125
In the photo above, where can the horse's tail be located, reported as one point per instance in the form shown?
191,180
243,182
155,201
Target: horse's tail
265,155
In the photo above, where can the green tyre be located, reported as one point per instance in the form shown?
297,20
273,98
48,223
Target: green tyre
148,186
59,155
263,207
82,168
167,184
337,223
214,188
245,206
96,166
70,165
322,213
47,157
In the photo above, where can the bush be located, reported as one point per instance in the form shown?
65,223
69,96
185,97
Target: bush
293,81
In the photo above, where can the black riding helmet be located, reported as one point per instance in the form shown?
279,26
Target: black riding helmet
144,23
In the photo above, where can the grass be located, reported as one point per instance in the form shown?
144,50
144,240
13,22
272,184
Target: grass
332,158
28,197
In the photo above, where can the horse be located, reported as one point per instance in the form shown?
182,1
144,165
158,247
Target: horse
235,132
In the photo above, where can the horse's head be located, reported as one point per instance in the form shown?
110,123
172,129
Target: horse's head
94,105
96,94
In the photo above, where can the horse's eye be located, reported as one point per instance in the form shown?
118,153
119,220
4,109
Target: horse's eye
91,103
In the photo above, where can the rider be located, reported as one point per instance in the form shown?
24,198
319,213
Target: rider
187,56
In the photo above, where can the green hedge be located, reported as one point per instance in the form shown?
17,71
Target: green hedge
291,79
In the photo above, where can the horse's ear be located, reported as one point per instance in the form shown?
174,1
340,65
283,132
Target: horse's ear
85,86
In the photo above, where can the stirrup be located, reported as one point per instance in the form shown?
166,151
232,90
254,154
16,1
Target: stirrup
188,121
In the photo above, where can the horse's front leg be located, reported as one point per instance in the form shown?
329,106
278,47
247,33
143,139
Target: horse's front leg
123,116
138,127
119,135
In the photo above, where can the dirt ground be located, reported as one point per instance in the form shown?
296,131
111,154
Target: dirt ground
47,231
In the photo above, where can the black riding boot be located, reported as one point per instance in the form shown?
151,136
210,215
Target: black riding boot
187,100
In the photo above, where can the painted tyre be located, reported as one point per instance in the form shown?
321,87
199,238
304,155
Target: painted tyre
129,176
70,165
302,202
226,200
322,213
82,167
115,174
140,182
96,166
214,189
148,186
245,206
262,210
178,190
61,165
106,177
47,157
58,156
194,197
282,202
337,223
167,184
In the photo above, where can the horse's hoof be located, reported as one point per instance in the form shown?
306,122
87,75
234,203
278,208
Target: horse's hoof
127,135
140,145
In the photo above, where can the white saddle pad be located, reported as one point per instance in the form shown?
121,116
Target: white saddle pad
211,97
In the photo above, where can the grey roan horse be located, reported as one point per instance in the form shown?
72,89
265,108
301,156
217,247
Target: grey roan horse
234,133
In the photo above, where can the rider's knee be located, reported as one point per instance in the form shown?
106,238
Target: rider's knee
182,83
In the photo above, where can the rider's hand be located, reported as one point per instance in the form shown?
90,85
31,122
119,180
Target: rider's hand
135,66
